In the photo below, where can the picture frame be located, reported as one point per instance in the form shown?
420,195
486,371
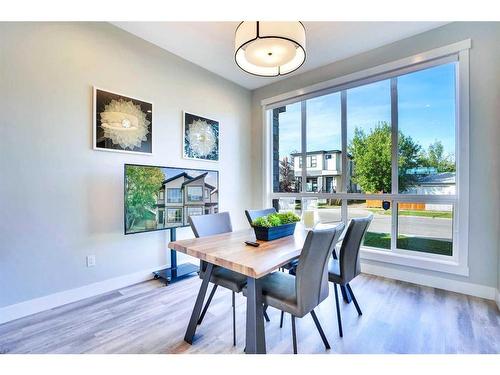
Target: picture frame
200,137
134,136
178,203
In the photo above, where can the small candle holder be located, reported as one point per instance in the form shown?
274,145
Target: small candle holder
309,212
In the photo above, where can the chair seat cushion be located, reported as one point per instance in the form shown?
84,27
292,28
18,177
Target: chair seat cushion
278,291
334,271
228,279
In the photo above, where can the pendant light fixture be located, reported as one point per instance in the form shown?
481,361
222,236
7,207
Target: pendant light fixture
270,49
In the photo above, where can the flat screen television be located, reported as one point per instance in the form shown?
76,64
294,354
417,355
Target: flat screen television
158,198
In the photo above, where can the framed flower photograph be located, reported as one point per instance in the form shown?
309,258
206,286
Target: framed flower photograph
201,137
122,123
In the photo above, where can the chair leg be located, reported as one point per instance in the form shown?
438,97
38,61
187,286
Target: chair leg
234,320
281,319
338,309
294,335
207,304
320,330
265,314
354,299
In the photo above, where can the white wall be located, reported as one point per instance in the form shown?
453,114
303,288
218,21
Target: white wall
484,219
59,199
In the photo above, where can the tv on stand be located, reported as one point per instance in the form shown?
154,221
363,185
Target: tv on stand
163,198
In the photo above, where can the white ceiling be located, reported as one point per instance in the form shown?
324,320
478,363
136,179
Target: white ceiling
211,45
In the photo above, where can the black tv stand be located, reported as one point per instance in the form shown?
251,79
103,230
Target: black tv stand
175,272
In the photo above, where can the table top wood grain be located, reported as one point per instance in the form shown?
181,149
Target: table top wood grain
229,250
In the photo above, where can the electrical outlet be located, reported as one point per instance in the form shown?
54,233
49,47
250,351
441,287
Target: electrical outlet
90,260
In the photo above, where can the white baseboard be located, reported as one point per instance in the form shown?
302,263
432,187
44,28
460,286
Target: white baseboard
36,305
470,289
497,298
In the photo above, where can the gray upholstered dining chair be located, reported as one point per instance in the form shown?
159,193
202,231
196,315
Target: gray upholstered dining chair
209,225
342,271
298,295
254,214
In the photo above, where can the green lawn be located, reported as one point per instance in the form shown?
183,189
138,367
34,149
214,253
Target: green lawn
433,214
425,245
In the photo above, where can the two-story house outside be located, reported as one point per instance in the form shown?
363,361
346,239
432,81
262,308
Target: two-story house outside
324,170
182,196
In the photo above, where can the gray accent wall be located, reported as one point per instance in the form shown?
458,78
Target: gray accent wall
484,220
59,199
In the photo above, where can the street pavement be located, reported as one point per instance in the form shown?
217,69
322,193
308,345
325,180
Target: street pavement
408,225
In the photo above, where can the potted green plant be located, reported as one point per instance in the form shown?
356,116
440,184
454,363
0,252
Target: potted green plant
276,225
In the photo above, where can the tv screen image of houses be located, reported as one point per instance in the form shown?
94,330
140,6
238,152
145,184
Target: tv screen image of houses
159,198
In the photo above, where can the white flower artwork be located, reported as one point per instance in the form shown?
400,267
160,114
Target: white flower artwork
122,123
201,138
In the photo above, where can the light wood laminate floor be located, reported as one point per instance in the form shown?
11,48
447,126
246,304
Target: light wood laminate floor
149,318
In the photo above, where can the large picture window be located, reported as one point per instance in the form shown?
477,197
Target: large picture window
369,138
287,159
385,146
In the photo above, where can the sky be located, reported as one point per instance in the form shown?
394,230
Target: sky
426,103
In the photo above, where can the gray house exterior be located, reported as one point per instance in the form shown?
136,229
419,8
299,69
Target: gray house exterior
324,170
182,196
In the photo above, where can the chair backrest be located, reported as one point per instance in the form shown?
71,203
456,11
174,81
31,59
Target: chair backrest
209,225
311,281
349,251
254,214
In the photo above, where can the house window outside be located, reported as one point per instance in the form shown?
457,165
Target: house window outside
161,195
161,214
174,195
312,161
398,138
194,211
207,194
194,193
174,215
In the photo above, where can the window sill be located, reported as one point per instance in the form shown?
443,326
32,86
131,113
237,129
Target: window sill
415,261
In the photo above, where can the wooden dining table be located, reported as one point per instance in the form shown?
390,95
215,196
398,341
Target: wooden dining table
229,250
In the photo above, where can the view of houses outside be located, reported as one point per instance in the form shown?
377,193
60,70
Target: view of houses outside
426,156
160,198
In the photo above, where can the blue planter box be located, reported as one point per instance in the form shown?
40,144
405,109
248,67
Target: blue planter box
269,234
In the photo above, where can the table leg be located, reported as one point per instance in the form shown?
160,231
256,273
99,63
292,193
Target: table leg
195,315
255,335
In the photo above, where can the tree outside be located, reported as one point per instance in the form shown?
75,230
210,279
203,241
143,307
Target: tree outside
143,184
435,157
372,155
287,178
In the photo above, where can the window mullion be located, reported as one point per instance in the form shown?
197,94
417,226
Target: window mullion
394,135
303,125
394,160
343,134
